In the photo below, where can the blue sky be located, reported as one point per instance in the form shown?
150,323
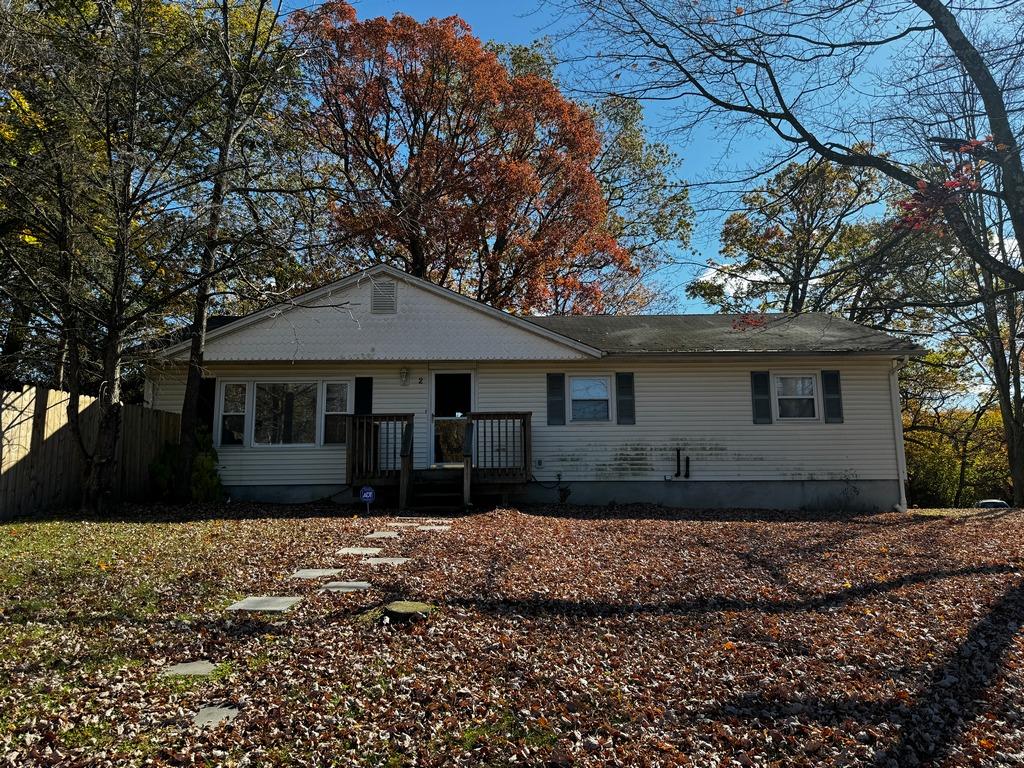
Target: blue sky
521,21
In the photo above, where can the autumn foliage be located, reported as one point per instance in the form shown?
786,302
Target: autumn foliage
448,166
968,164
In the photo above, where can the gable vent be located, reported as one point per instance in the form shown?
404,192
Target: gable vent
384,297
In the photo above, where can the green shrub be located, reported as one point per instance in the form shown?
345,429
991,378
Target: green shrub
166,469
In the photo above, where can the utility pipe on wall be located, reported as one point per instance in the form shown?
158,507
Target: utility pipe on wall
897,428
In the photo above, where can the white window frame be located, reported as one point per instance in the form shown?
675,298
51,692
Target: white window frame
322,407
222,385
569,398
250,408
813,375
316,422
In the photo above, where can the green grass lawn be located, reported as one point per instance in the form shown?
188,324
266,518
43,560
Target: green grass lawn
635,636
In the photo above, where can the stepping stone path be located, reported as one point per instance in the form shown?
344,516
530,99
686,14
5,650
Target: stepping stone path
314,573
265,604
188,669
217,714
214,715
346,586
367,551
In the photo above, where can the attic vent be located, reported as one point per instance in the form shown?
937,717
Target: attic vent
383,298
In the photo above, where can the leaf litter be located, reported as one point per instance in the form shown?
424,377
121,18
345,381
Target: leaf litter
625,636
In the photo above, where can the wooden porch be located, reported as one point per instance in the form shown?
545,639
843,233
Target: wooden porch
483,452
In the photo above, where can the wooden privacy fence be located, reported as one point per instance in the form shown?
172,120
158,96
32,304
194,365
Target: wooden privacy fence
40,462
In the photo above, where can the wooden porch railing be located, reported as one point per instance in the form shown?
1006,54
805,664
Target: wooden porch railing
379,448
501,446
496,450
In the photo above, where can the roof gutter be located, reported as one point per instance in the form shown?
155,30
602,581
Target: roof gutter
743,354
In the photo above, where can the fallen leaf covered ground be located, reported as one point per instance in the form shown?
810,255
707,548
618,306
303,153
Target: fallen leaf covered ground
632,636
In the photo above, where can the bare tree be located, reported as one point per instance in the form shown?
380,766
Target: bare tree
804,75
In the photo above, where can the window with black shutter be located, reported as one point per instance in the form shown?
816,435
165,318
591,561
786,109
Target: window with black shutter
832,395
556,399
761,396
625,399
363,401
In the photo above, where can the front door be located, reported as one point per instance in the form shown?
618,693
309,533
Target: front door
453,400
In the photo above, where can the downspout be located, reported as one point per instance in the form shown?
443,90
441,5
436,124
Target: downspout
897,428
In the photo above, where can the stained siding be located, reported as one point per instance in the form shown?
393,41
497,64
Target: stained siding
425,327
699,406
704,409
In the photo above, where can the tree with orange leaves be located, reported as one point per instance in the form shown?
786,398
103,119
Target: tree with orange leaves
447,165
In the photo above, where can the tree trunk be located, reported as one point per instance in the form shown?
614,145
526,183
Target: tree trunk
99,482
194,377
14,343
1015,454
207,264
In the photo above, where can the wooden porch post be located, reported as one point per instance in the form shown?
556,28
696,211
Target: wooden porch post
467,465
527,446
405,478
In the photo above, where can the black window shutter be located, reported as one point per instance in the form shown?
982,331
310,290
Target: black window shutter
625,399
832,393
761,396
207,401
362,403
556,398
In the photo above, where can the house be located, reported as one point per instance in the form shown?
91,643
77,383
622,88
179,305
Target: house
384,379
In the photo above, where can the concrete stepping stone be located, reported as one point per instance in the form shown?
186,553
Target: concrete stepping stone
265,604
346,586
382,535
436,528
386,560
314,573
189,669
214,715
403,525
407,610
367,551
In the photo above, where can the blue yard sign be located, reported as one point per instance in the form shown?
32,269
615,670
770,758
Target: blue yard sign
367,495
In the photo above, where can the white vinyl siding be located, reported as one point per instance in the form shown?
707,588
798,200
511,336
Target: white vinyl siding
701,406
423,326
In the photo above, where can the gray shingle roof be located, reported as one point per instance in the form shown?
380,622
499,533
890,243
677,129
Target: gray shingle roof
673,334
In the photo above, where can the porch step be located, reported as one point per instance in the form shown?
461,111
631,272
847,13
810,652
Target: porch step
436,509
436,489
430,476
